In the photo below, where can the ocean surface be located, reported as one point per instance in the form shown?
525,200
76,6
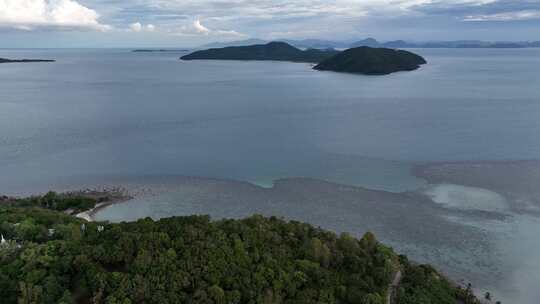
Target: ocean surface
147,121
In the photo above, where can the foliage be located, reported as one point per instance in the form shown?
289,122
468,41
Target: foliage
278,51
55,201
422,284
372,61
195,260
187,259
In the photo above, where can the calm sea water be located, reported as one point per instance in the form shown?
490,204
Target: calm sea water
112,115
113,112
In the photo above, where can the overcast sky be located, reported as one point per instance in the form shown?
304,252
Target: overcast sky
185,23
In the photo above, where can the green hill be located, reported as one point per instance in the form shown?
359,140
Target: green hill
278,51
361,60
372,61
51,257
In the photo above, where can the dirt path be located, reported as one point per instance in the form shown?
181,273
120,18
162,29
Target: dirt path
392,288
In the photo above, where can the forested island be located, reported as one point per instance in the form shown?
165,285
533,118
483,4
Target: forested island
5,60
48,256
372,42
158,51
277,51
361,60
372,61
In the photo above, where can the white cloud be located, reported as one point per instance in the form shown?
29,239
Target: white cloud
507,16
137,27
215,19
267,9
31,14
197,28
200,28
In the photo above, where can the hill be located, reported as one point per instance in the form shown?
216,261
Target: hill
245,42
372,61
371,42
159,51
51,257
278,51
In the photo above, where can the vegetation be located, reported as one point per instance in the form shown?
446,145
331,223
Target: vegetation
51,257
54,201
372,61
278,51
71,202
363,60
424,285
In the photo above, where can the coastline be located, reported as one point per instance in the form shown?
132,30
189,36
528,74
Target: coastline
334,206
105,198
504,177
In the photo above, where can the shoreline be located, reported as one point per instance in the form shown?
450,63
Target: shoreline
105,199
487,174
434,173
376,210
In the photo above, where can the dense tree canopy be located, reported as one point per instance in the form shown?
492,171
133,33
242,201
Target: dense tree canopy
52,257
422,284
372,61
54,201
276,51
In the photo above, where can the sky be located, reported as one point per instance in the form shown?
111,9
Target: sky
188,23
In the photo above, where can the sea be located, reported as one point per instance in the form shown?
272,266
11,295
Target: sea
234,138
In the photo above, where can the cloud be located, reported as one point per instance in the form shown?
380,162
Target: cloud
200,28
506,16
135,27
32,14
201,20
480,9
138,27
279,9
197,29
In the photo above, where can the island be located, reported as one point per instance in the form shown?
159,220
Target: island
372,61
372,42
360,60
275,51
158,51
49,256
4,60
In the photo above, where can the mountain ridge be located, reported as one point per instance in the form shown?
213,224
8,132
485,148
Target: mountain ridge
275,51
372,42
360,60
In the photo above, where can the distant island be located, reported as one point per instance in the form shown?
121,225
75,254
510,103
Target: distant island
50,256
362,60
157,51
372,42
372,61
4,60
276,51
